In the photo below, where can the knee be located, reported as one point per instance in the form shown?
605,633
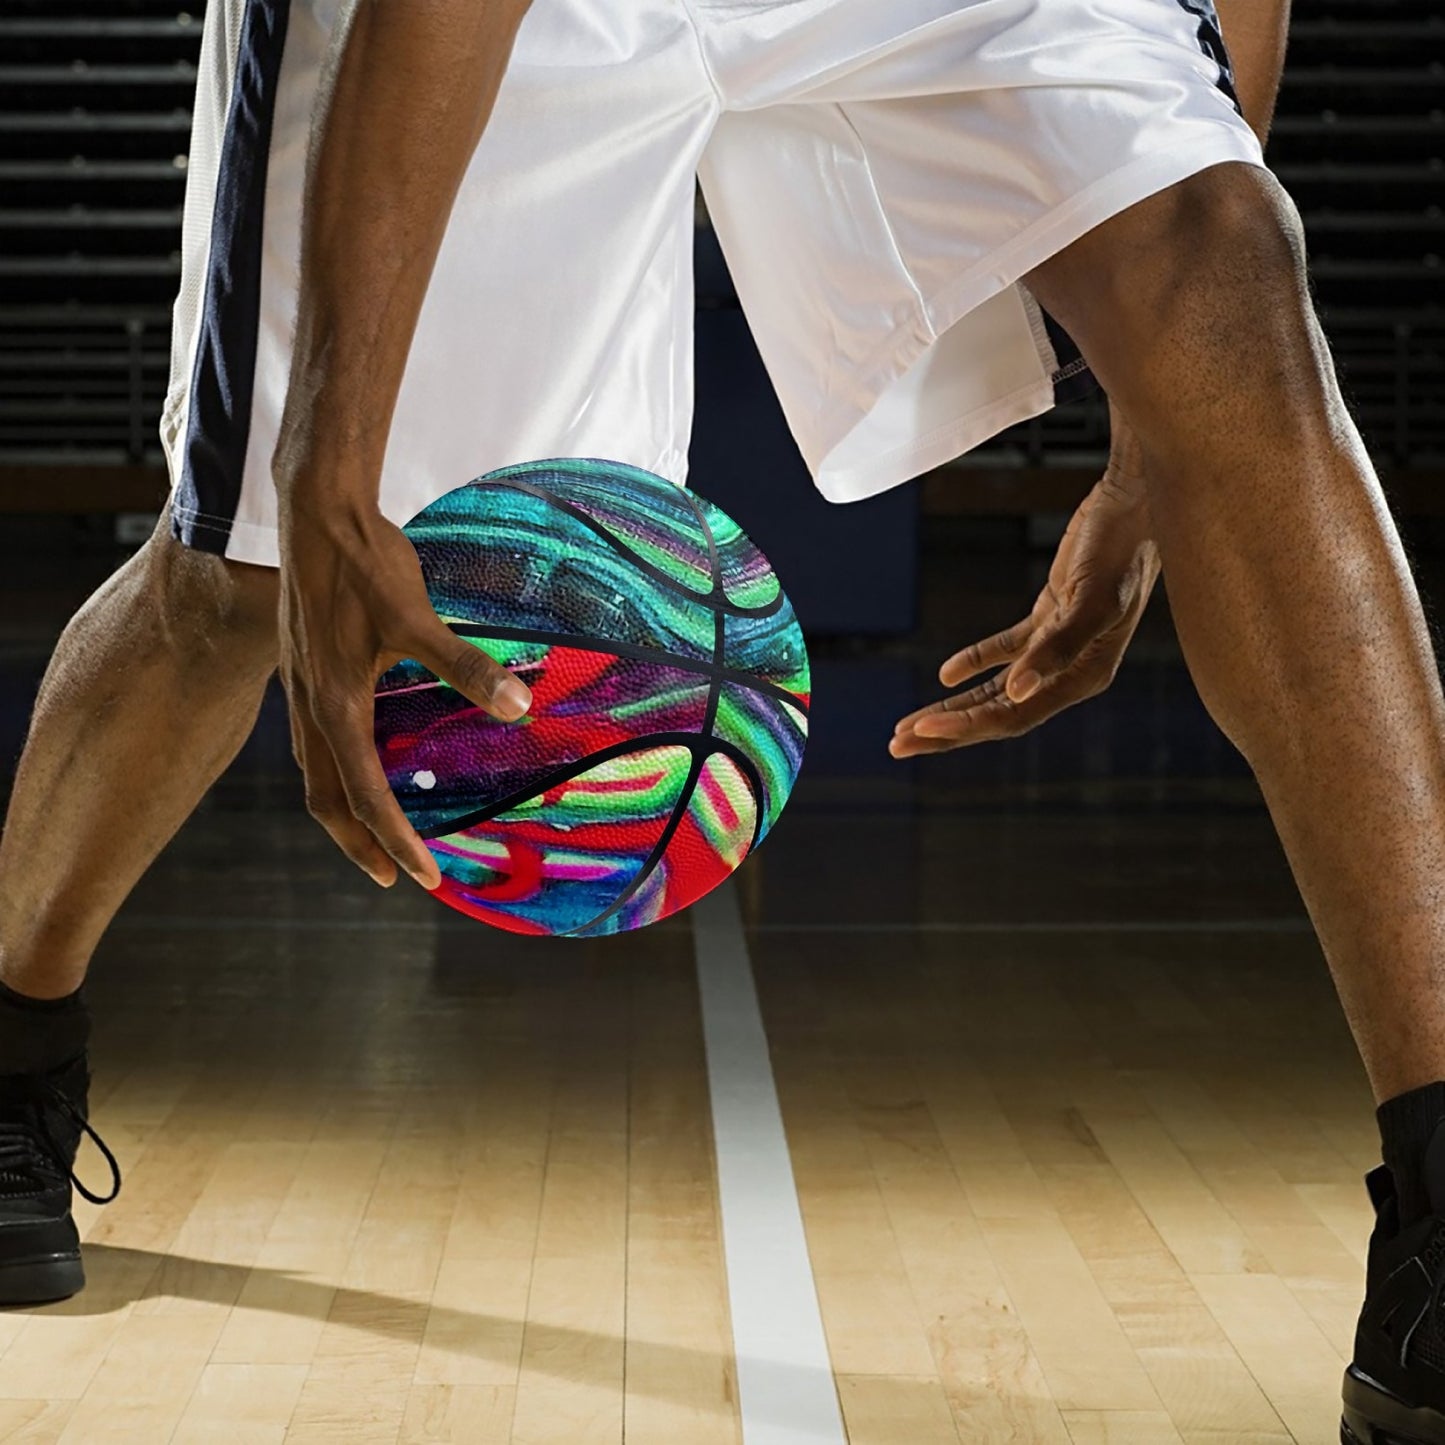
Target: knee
202,602
1202,284
1228,272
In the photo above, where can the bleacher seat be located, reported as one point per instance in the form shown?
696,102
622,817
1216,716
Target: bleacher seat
95,102
94,122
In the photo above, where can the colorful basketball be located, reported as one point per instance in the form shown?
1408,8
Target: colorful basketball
669,699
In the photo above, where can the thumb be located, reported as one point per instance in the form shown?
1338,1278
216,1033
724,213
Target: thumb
475,675
1055,648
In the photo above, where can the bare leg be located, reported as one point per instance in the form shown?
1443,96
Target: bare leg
1294,603
152,690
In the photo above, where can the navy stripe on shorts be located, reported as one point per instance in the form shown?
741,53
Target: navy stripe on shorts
213,454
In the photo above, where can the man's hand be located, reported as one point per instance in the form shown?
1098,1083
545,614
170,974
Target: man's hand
352,604
1070,646
407,93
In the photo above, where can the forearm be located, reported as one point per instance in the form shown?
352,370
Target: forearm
1255,31
410,87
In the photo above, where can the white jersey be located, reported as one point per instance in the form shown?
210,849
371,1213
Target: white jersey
881,175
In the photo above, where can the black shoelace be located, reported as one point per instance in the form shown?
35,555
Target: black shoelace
30,1150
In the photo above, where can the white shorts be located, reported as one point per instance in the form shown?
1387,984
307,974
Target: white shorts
880,172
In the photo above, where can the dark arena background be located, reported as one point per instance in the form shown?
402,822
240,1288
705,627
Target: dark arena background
1074,1127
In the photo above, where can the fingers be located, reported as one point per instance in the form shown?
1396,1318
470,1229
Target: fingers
1063,664
326,798
958,713
988,713
958,702
1040,676
987,721
346,730
346,788
978,657
475,675
997,717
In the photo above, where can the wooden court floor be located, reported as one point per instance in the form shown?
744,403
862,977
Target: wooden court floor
1075,1127
389,1179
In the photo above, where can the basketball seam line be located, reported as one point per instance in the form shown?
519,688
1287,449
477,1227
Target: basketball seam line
699,758
694,742
714,560
689,784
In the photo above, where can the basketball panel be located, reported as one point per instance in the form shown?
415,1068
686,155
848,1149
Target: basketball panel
496,557
771,734
648,515
770,649
746,577
560,860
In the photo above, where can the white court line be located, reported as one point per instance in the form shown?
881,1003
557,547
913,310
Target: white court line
786,1394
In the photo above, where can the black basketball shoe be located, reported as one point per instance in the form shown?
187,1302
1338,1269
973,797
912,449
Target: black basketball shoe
42,1117
1395,1389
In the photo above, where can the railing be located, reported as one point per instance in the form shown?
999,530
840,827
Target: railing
1392,369
82,383
86,384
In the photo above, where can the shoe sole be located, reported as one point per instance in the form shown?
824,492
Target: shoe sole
1373,1416
42,1280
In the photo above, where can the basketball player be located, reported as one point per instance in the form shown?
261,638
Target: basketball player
922,202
